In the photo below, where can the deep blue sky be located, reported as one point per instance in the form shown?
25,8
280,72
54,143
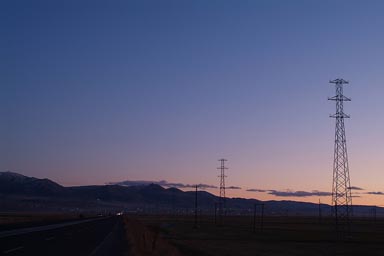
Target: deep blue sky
99,91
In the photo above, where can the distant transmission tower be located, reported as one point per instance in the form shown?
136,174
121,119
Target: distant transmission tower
341,187
222,176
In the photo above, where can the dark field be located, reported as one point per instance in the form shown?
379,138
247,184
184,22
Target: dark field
177,235
280,236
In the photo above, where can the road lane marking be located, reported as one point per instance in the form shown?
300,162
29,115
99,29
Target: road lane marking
101,244
23,231
49,238
94,252
14,249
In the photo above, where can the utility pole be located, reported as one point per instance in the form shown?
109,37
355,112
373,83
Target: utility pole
215,213
195,225
254,218
374,213
341,185
173,203
261,217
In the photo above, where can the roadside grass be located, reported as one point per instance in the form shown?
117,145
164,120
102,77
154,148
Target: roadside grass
280,236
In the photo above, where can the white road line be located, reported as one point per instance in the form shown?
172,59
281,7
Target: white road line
94,252
14,249
43,228
101,244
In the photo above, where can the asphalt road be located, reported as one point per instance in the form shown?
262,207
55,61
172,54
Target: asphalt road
104,236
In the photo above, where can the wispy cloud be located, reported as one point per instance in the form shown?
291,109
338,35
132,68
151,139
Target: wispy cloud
290,193
355,188
378,193
233,187
203,186
162,183
257,190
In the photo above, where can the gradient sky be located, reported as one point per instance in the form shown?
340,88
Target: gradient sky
101,91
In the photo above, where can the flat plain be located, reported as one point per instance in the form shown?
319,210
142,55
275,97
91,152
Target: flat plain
278,236
173,235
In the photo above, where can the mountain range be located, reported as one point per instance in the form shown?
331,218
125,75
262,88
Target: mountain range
22,193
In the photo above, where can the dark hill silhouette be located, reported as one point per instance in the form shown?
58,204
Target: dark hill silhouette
18,192
14,183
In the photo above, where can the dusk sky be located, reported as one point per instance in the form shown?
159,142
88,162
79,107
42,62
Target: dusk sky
94,92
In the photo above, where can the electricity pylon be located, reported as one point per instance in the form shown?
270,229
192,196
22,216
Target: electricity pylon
341,186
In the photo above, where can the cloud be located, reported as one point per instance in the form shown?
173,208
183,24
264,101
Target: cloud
233,187
378,193
289,193
162,183
257,190
355,188
203,186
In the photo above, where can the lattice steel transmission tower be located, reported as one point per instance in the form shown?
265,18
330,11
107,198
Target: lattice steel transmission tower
341,186
222,176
